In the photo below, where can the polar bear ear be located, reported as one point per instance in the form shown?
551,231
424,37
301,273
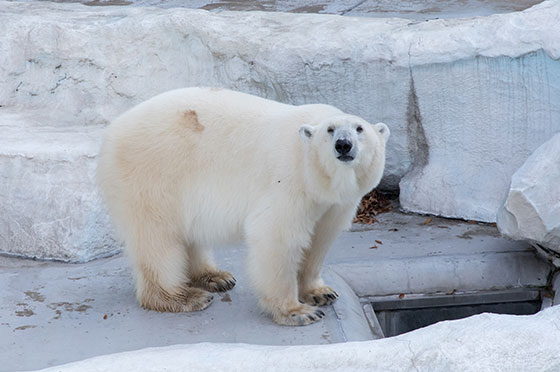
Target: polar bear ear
306,132
383,129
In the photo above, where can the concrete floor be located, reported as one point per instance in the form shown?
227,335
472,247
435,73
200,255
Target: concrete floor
53,313
413,9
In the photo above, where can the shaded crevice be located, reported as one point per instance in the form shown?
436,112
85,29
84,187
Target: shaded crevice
418,147
345,11
58,83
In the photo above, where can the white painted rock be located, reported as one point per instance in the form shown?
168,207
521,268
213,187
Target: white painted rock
531,210
486,342
471,125
49,205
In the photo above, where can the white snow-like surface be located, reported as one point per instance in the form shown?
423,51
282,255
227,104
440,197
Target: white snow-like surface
467,100
485,342
531,210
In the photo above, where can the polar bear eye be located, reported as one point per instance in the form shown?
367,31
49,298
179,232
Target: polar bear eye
359,129
330,130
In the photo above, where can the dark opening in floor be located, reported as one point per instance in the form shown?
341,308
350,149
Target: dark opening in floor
397,316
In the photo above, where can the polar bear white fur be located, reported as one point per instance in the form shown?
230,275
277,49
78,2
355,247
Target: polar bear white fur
196,167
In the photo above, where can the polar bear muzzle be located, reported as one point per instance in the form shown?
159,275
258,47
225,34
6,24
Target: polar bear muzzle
343,148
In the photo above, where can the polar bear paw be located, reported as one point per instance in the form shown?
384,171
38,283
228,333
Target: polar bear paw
187,299
319,296
300,316
214,281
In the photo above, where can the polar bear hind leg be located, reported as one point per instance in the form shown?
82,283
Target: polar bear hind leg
162,282
204,274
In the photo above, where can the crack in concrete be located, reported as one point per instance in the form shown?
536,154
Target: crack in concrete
352,7
413,357
416,138
58,83
65,77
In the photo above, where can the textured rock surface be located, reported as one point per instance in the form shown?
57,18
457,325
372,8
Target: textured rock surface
486,342
50,208
470,133
467,100
531,210
87,64
370,8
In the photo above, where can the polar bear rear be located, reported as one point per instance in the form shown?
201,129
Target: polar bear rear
197,167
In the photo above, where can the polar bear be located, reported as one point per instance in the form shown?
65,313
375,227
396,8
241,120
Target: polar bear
196,167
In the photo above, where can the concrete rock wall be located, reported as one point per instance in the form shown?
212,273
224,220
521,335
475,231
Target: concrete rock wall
466,99
471,124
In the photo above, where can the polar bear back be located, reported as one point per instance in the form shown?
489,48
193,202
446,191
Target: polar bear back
231,130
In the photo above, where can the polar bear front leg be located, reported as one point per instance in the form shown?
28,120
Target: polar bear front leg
273,262
312,289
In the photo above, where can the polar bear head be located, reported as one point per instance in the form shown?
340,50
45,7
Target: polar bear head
346,149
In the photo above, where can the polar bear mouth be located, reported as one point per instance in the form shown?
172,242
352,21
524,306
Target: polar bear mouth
345,158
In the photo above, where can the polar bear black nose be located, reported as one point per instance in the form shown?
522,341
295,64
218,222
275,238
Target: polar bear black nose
343,146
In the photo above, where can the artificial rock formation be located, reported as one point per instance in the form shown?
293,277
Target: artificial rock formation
531,210
467,100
